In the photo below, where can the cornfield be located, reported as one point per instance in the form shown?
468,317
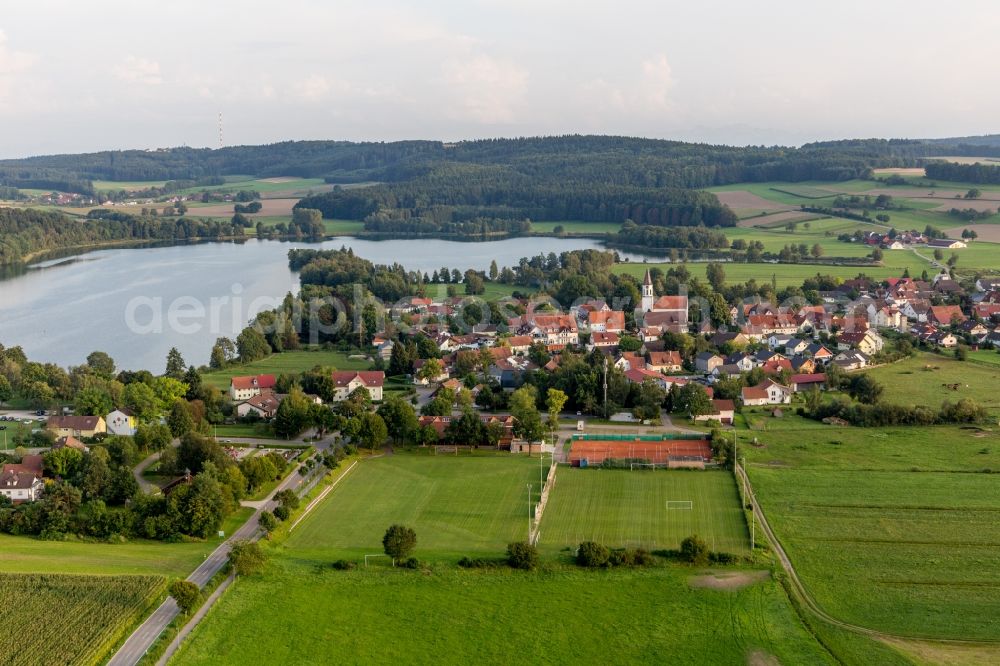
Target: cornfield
60,619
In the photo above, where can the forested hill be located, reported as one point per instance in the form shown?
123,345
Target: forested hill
629,161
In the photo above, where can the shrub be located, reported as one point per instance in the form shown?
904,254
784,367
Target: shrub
522,555
343,565
591,554
694,550
281,512
411,563
186,594
722,558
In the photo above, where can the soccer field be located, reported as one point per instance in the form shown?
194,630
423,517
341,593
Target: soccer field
456,505
626,508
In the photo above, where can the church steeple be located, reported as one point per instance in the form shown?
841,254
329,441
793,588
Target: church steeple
647,292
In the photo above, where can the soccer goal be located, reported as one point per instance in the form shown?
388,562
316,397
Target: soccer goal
679,504
637,465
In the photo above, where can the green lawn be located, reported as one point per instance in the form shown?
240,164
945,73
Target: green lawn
288,362
889,528
19,554
127,185
457,505
626,508
989,356
242,430
491,617
920,380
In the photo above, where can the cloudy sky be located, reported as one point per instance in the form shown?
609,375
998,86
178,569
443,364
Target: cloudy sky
80,75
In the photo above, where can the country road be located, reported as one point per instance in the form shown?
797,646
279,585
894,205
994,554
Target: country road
143,638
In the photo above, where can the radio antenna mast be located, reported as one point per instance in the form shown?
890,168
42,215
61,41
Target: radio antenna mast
220,129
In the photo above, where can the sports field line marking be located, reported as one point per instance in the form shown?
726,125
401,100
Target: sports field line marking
320,497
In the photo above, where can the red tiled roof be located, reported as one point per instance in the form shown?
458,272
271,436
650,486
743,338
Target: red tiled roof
253,381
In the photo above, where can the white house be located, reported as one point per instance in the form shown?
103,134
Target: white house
244,388
723,411
767,393
20,486
121,422
347,381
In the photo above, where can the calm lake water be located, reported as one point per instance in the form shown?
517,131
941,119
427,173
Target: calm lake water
120,300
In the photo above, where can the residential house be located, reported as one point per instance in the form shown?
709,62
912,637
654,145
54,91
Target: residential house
946,315
723,411
707,362
70,442
551,329
77,426
347,381
425,381
20,487
122,422
519,344
610,321
819,352
601,340
851,360
666,361
265,406
766,393
868,341
639,375
941,339
244,388
629,361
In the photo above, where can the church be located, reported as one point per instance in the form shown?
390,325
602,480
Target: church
668,313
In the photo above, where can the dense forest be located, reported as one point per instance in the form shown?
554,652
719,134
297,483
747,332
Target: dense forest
27,231
628,161
458,193
985,174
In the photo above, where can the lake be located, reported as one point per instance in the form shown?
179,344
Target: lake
120,300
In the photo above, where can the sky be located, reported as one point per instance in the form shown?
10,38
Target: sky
85,75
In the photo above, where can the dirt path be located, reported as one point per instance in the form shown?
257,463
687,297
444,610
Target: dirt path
809,603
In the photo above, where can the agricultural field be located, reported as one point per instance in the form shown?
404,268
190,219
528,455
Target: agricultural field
287,362
50,619
926,378
22,554
457,505
893,528
784,274
629,508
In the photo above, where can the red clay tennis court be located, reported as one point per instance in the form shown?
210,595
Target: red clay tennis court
596,451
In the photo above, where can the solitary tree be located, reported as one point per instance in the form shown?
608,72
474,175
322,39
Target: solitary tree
175,364
399,541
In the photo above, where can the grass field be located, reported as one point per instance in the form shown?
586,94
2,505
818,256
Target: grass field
626,508
491,617
784,274
909,382
288,362
889,528
457,506
19,554
48,619
574,227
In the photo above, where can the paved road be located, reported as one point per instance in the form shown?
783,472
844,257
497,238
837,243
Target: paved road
143,638
145,485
